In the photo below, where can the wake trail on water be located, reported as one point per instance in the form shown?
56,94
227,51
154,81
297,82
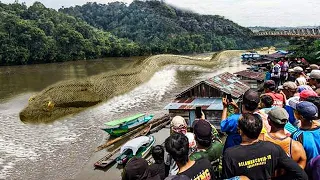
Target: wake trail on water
73,96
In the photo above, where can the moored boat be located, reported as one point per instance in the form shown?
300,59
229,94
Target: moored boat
138,147
120,127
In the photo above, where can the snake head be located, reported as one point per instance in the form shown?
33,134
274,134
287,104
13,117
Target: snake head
38,108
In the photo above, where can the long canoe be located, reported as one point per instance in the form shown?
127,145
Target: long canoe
124,121
123,129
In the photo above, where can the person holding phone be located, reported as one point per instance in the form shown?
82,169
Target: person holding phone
229,124
199,114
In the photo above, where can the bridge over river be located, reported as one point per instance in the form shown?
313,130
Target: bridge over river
296,32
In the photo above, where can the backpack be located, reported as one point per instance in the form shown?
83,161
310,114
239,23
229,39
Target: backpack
276,69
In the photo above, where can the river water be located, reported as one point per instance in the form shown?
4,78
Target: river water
61,149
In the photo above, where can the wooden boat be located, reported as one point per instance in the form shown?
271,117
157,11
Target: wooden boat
110,158
143,130
126,120
138,147
122,126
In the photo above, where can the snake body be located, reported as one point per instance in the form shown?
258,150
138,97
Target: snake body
73,96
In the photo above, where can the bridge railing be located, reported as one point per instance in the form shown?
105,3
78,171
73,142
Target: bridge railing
302,32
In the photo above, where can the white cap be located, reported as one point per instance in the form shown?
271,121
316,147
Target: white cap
297,69
177,121
315,74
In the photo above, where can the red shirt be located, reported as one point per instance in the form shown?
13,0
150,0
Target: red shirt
277,98
280,63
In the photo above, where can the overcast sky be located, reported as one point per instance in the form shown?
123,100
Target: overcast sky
244,12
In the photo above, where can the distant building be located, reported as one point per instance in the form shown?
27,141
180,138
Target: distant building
252,78
208,95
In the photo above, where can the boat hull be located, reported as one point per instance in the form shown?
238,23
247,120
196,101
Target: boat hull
121,130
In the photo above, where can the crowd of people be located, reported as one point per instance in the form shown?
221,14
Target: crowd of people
274,133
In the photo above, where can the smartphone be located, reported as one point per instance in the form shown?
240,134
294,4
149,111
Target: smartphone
198,112
229,98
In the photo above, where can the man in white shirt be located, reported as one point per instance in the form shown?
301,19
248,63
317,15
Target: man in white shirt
301,79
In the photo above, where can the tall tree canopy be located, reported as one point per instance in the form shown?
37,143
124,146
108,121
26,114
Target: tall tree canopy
40,35
37,34
307,48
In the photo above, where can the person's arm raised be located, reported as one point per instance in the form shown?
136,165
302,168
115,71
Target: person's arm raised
225,109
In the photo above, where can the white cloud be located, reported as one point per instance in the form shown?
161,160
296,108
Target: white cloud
244,12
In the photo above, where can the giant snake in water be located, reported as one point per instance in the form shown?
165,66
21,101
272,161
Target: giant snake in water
73,96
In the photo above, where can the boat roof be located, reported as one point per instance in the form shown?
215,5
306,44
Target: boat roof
136,143
124,120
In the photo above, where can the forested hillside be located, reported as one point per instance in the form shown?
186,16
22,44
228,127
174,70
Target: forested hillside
37,34
41,35
160,28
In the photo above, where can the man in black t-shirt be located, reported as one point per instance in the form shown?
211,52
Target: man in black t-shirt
158,167
256,159
177,146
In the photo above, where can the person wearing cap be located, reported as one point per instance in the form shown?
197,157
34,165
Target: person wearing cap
309,135
177,145
138,169
315,100
289,89
309,132
300,76
206,147
257,159
275,73
270,90
178,125
291,76
314,80
229,124
306,94
303,87
278,117
314,67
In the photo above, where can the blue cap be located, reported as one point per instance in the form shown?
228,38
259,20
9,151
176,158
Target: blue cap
307,110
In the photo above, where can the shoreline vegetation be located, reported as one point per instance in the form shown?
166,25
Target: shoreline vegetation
36,34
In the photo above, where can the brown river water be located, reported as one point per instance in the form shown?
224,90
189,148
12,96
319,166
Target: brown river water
62,149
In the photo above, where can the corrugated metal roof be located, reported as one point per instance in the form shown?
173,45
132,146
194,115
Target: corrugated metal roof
275,55
192,103
225,82
229,84
251,75
266,62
